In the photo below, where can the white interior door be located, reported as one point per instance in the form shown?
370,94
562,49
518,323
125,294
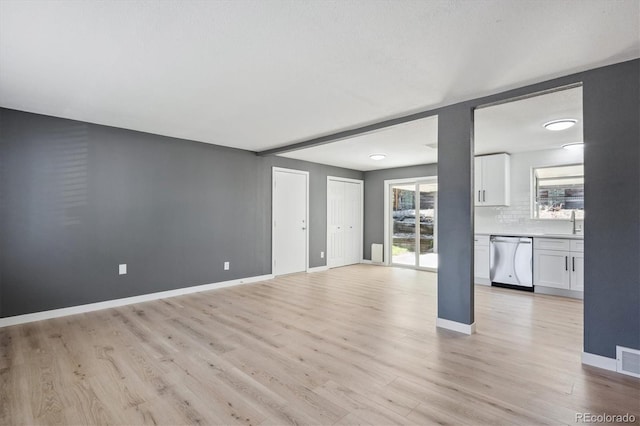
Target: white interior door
335,223
344,222
290,221
353,222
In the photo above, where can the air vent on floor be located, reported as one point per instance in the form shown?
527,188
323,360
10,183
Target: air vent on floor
628,361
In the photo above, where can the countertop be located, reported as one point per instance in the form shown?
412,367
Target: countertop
534,234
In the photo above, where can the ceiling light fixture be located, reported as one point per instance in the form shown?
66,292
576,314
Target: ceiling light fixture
561,124
378,157
574,145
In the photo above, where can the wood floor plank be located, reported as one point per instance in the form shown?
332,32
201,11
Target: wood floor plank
347,346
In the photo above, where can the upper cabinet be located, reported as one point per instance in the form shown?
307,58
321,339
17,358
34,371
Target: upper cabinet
492,180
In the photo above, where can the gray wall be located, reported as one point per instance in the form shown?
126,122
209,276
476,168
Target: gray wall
374,199
318,201
455,214
77,199
612,202
612,199
58,247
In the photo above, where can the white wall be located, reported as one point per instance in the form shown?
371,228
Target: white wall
517,217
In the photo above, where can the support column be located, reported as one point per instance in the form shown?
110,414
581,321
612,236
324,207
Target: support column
455,219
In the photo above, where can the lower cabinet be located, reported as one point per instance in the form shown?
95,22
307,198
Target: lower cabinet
481,259
558,263
577,274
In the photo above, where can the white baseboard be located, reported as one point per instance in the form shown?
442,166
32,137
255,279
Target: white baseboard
80,309
559,292
599,361
371,262
456,326
317,269
482,281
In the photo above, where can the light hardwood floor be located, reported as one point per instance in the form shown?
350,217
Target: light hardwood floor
353,345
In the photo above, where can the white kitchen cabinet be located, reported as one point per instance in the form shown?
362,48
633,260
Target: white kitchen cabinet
492,180
558,263
577,271
481,259
551,268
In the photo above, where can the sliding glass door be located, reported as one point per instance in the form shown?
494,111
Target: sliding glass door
413,208
427,257
403,217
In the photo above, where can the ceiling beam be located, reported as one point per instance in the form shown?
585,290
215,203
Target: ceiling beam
345,134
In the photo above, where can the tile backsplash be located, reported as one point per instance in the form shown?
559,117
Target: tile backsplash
516,218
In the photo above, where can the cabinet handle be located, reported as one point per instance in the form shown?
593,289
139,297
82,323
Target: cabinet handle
566,263
479,199
484,193
573,264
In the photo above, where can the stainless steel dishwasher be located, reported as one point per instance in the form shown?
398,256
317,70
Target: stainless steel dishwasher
511,262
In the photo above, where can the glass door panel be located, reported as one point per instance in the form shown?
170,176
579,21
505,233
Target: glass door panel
428,195
403,217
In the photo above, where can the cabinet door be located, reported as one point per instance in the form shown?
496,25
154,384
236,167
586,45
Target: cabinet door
551,268
481,262
477,176
495,180
577,271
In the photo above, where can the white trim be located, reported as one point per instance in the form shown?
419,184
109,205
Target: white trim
563,292
482,281
599,361
369,262
80,309
344,179
273,184
359,182
456,326
387,214
317,269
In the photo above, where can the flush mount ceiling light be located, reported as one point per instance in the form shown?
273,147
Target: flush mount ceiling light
378,157
574,145
561,124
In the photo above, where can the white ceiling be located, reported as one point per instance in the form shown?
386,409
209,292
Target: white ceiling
518,126
515,126
406,144
262,74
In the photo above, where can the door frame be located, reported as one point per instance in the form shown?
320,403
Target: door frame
275,170
388,183
360,183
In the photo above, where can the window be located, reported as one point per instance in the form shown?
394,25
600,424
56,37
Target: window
558,191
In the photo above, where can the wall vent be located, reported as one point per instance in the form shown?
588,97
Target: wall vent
628,361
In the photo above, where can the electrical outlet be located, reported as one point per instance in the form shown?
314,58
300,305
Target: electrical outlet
226,266
122,269
321,255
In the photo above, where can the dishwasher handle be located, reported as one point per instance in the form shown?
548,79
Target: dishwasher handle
512,240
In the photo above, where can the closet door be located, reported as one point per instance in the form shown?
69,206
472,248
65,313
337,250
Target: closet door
344,222
335,223
352,222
